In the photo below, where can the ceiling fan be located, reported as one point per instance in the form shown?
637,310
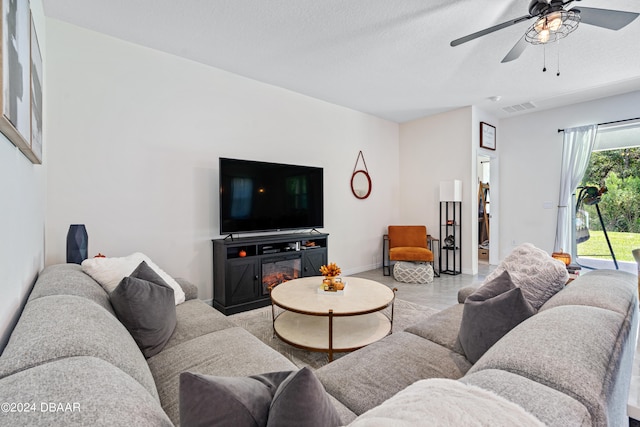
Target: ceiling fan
554,22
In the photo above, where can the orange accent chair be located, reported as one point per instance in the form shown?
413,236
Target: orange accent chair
409,243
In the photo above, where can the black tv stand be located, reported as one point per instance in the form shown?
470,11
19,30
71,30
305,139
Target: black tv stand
244,267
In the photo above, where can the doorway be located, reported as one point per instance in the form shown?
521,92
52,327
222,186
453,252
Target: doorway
484,209
486,188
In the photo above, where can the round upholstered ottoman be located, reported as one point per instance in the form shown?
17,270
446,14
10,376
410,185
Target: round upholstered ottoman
413,272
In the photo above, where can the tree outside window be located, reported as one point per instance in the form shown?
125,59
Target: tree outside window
617,170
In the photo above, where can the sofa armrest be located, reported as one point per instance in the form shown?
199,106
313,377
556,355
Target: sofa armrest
190,290
463,293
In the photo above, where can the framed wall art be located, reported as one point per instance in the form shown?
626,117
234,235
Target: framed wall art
36,95
15,79
487,136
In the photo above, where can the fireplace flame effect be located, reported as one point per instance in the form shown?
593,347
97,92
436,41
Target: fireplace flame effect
276,272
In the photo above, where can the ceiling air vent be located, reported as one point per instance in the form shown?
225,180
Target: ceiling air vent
519,107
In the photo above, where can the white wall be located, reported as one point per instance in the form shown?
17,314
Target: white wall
530,158
434,149
22,229
135,136
22,191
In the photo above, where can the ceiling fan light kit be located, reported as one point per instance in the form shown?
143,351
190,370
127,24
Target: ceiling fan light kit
553,27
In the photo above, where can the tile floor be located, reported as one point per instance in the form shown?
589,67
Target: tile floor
443,292
440,294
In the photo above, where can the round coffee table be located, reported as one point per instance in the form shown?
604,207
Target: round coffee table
328,321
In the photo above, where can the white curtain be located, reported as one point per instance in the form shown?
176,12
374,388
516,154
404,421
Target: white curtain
576,151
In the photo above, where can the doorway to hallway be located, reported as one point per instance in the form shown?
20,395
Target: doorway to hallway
487,209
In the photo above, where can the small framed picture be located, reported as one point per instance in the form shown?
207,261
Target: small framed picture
487,136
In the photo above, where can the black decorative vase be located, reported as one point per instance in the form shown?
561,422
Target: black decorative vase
77,244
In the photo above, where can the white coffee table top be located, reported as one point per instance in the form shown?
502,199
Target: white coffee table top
360,296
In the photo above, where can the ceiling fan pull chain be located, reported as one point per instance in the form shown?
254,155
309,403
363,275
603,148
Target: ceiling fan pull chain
558,43
544,58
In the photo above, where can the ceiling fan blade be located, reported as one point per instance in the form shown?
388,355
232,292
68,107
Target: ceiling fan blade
489,30
606,18
516,50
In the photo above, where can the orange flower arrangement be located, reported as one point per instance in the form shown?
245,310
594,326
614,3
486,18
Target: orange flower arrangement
331,283
330,270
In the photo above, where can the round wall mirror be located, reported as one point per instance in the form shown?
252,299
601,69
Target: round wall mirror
361,184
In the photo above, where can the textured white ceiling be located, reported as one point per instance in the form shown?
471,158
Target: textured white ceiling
389,58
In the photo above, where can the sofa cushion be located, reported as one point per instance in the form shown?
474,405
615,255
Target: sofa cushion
228,352
608,289
146,306
576,350
550,406
109,271
61,326
444,402
463,293
194,319
69,279
346,415
489,313
533,270
279,399
363,385
441,328
190,290
93,393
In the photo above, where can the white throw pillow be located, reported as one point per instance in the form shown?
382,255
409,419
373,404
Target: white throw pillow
445,402
110,271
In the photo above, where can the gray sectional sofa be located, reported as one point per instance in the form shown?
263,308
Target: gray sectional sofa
69,349
569,365
69,361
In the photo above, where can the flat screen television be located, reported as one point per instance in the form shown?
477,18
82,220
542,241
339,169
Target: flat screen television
260,196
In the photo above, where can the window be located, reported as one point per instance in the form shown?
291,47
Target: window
608,200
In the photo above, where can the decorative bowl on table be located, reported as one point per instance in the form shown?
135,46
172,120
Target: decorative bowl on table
332,284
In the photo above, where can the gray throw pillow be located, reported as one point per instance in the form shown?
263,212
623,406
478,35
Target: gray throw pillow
145,305
290,398
489,313
227,401
301,401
